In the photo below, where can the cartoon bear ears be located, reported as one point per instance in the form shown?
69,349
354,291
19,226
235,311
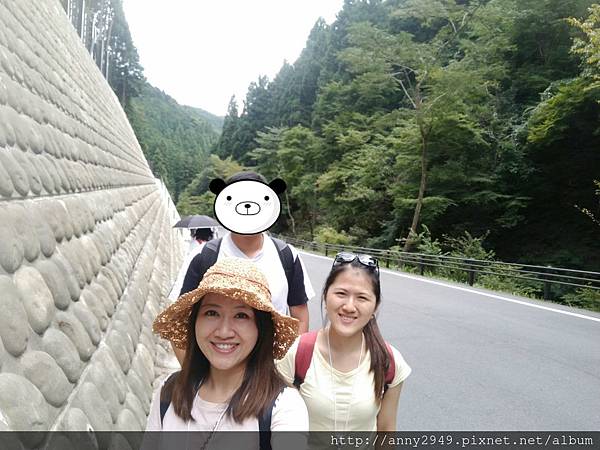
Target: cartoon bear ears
217,185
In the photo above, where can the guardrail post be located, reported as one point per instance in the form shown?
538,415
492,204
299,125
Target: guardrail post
470,272
421,265
547,288
387,261
326,250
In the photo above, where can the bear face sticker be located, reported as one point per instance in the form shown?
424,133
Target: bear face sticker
247,206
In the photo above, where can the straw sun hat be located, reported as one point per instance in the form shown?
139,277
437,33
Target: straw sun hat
234,278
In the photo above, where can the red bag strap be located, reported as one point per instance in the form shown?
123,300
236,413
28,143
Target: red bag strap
391,371
303,357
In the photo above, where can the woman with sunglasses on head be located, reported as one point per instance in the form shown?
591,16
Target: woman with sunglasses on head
228,380
348,376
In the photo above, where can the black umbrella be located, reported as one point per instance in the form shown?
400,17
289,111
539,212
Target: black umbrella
196,222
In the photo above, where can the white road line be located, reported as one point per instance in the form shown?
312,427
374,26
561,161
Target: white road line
472,291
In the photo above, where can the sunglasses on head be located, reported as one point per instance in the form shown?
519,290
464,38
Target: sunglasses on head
366,260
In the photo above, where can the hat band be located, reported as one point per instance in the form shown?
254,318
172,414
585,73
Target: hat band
231,275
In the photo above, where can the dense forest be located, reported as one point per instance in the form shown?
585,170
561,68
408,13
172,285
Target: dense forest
175,139
412,121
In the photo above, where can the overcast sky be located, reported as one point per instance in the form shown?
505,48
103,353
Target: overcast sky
201,52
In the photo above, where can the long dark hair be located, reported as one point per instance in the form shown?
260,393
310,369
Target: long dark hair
260,386
380,359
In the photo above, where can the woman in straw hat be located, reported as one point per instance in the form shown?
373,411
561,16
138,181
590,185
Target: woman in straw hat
228,380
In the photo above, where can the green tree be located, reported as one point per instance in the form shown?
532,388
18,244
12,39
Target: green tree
444,89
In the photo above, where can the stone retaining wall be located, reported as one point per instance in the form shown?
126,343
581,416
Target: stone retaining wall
87,249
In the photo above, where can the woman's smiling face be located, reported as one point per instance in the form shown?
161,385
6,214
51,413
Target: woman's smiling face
226,331
350,301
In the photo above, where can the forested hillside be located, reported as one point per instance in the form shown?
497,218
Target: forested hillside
175,139
410,122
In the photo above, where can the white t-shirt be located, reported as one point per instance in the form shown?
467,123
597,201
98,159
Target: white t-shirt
289,414
195,248
354,391
269,263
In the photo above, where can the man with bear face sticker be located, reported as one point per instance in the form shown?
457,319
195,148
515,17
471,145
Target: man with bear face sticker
248,206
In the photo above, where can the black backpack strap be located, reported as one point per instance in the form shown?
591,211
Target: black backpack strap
287,260
165,395
200,264
264,425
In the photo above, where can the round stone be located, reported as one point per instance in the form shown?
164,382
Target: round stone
79,251
44,234
70,281
145,376
129,315
60,441
77,215
125,441
147,339
72,327
102,295
37,298
125,329
106,385
106,359
14,328
22,404
107,271
21,219
101,248
46,375
89,321
19,178
115,341
93,256
96,307
35,183
6,186
133,404
45,178
64,175
56,281
74,175
139,389
50,164
76,420
90,401
9,440
66,219
127,421
11,247
146,362
65,250
58,345
55,215
36,142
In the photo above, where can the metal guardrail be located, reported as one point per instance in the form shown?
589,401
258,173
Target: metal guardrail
470,268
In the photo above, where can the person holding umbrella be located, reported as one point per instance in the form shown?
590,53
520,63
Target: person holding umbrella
200,236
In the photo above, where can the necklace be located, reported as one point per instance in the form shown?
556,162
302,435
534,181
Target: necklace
362,341
212,432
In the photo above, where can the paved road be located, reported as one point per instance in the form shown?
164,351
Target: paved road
483,360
